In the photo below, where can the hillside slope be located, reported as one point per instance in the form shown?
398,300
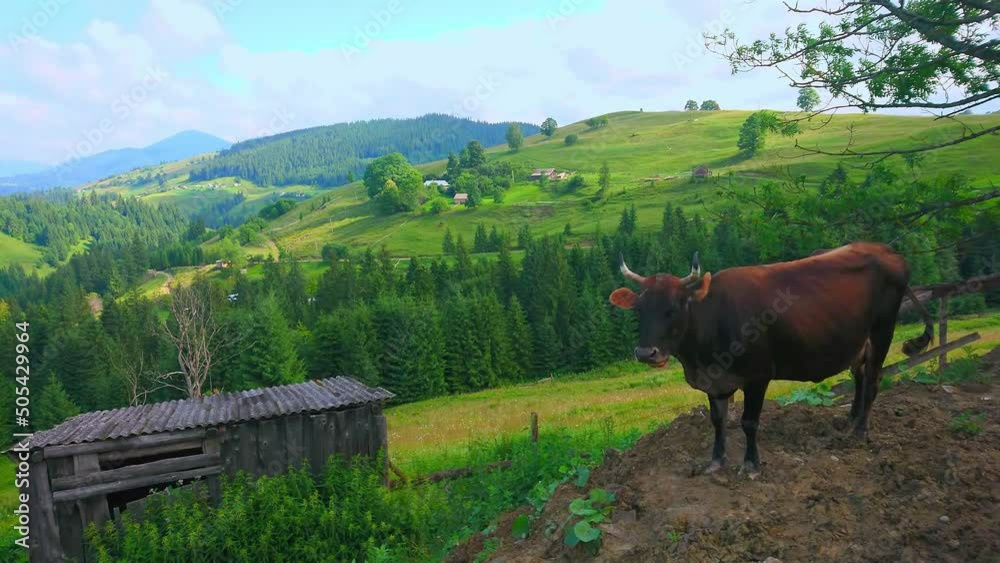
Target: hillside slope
324,156
88,169
636,146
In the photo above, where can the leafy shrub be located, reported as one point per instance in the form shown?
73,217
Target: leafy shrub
817,395
967,423
350,516
571,139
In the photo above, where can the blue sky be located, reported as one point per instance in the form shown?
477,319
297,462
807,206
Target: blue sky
86,76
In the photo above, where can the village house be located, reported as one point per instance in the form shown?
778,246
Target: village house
701,173
537,174
461,199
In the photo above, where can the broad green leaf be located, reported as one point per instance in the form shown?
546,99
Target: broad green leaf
586,532
581,507
582,476
521,527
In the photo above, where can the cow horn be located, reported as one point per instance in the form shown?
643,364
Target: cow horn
695,274
629,273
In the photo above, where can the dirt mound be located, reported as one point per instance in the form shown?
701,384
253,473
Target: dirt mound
919,490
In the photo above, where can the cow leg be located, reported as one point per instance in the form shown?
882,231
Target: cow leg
753,402
878,348
858,373
719,407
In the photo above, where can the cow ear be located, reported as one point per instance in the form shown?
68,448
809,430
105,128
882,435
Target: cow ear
623,297
700,290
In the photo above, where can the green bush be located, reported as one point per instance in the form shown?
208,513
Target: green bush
351,516
572,139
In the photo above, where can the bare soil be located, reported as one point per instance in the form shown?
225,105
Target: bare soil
917,490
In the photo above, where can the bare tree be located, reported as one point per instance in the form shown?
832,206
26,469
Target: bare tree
140,376
195,330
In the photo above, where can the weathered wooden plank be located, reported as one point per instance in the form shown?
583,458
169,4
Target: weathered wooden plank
118,458
137,509
93,510
247,432
943,332
294,440
152,468
43,542
340,435
124,444
270,450
134,483
929,355
315,439
67,514
213,448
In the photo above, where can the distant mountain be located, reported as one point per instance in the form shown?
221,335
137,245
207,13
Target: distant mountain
324,156
68,174
15,167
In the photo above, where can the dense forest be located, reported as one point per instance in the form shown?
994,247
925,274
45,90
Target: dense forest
58,220
460,322
335,154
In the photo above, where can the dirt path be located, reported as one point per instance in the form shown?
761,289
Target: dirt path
919,490
165,288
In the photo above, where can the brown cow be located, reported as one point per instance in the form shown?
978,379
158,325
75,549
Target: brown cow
804,320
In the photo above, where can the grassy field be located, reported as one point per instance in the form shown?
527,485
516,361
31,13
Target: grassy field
441,432
636,145
437,433
15,251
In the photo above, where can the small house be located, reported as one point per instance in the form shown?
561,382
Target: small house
560,176
461,199
537,174
98,466
701,172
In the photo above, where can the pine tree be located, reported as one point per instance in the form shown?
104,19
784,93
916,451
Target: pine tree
548,348
522,343
448,245
272,358
52,406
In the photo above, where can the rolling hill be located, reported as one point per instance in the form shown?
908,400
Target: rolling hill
326,156
637,146
88,169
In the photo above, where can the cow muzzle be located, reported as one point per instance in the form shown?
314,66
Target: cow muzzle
651,356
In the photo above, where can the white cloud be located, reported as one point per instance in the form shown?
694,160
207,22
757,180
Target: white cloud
633,53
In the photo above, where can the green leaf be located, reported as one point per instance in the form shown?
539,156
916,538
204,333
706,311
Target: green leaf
571,538
521,526
586,532
582,476
581,507
602,496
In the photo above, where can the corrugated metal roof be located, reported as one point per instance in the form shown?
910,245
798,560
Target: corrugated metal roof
311,396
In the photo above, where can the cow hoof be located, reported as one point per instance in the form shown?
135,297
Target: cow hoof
751,469
715,466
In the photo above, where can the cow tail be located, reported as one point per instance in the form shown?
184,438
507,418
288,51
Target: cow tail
916,345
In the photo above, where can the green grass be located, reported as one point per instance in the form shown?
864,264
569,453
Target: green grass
636,145
16,251
429,435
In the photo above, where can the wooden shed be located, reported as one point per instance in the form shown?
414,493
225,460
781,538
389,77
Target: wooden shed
98,465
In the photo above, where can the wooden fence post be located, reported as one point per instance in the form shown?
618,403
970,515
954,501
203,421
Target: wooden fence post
534,428
943,332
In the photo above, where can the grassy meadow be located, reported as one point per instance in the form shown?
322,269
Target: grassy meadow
16,251
636,145
440,432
